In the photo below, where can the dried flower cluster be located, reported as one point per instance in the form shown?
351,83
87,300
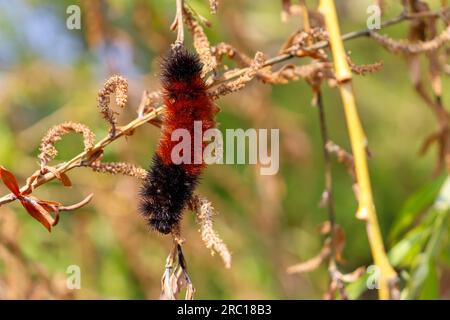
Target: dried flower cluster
115,85
122,168
47,148
411,48
201,43
205,212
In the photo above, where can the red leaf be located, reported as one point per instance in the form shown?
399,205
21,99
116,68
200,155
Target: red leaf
10,181
61,176
39,213
51,206
55,222
65,180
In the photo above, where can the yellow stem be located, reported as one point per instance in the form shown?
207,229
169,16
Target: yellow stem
305,16
358,141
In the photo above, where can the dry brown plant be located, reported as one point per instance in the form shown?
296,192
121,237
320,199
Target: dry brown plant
310,43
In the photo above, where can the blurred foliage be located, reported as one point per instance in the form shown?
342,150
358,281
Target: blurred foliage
49,74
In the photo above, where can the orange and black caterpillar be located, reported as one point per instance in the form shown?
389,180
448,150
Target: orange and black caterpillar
168,186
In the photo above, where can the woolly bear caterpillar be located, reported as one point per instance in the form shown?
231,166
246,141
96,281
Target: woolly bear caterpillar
169,186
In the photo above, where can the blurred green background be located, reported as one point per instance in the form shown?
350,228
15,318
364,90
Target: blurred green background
49,74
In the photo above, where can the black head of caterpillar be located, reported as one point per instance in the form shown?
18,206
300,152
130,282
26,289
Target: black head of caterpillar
168,187
179,66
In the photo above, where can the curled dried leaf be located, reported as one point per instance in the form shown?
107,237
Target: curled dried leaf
175,276
339,240
61,176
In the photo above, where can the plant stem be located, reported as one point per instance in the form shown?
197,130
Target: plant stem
86,155
329,195
358,141
327,164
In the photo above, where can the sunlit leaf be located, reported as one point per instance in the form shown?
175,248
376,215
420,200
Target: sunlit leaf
39,213
10,181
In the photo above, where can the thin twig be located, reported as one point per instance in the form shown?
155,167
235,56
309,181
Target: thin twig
86,157
178,23
358,141
328,196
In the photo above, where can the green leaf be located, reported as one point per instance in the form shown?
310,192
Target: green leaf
423,271
404,252
430,287
415,205
356,289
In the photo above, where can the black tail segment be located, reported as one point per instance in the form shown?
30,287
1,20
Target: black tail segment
164,195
